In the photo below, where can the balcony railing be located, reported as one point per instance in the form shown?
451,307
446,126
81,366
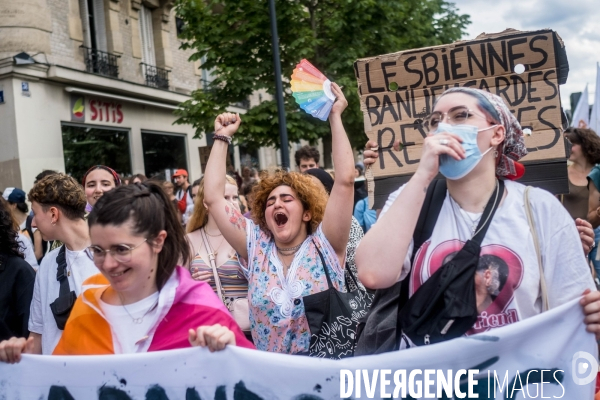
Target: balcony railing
101,62
155,77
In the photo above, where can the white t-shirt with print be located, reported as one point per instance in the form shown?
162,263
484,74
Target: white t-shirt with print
508,269
46,290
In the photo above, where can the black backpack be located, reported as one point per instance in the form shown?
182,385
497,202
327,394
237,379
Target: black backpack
444,307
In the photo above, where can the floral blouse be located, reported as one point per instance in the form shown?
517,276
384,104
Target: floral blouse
277,316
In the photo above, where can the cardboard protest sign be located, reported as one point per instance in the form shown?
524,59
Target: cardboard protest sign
397,91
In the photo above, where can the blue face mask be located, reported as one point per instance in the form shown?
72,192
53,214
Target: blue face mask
456,169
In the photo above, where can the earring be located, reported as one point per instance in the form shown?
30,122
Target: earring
52,223
495,153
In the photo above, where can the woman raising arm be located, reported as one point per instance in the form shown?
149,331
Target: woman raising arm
293,226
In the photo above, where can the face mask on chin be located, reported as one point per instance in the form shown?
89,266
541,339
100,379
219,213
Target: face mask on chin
457,169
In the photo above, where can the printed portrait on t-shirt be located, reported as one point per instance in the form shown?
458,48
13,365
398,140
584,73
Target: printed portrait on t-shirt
499,273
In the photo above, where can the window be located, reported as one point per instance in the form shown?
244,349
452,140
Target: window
147,36
179,25
94,25
154,76
207,75
85,146
97,60
163,151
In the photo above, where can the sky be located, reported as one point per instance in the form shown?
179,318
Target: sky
577,22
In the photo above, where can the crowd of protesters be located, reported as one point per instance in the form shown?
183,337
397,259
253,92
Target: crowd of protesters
129,265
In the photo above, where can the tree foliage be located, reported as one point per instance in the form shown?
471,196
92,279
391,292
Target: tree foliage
235,39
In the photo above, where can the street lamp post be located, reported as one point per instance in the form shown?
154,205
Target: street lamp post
285,152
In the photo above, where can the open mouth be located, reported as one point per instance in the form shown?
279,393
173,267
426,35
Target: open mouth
280,219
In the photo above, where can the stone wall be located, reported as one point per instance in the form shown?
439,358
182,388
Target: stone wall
55,28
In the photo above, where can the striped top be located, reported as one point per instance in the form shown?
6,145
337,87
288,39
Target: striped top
233,281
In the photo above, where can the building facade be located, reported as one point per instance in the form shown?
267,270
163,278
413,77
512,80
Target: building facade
86,82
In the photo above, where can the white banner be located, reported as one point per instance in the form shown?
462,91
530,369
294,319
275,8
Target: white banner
552,348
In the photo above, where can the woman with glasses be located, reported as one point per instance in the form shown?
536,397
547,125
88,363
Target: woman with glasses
473,141
143,301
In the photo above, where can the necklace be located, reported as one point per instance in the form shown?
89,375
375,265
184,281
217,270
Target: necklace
217,235
70,267
216,251
138,320
289,251
470,222
286,267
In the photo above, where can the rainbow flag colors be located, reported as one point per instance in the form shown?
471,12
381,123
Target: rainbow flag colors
312,90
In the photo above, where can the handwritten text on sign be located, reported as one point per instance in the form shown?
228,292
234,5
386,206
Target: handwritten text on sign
398,90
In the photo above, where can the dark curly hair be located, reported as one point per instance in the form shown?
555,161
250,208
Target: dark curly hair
9,245
307,152
60,191
312,196
589,142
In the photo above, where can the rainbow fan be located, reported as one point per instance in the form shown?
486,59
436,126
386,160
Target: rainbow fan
312,90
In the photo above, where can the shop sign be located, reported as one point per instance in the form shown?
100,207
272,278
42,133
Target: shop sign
106,111
77,108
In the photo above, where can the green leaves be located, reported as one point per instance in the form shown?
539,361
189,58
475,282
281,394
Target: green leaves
235,38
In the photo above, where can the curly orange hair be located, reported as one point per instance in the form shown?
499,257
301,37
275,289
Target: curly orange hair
312,196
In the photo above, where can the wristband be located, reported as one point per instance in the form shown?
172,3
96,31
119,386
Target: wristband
222,138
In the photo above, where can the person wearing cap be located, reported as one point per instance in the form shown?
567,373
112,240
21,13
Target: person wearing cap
474,140
20,210
185,202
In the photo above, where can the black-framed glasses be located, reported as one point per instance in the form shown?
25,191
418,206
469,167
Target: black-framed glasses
456,116
120,252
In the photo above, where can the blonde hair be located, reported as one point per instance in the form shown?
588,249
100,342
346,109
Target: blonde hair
200,216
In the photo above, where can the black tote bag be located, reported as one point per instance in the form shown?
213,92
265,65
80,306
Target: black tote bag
332,318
